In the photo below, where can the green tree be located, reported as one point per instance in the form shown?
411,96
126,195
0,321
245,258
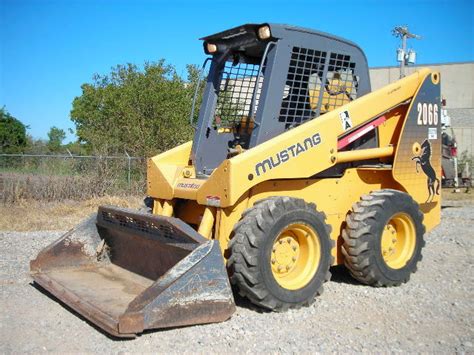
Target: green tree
194,74
36,146
12,133
78,148
141,111
56,136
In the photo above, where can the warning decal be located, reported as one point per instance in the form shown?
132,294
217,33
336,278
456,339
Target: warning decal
345,120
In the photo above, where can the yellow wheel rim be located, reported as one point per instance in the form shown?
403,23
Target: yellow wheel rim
295,256
398,241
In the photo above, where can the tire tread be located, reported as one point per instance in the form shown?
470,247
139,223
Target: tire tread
244,250
359,234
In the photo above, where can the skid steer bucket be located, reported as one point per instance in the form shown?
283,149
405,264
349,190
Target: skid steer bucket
127,271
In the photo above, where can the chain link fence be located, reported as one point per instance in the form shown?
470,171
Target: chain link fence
60,177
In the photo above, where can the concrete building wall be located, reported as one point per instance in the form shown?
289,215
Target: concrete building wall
465,139
457,87
457,81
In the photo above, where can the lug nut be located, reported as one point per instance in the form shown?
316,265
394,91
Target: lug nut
394,240
273,261
279,268
294,247
293,258
280,241
289,240
287,268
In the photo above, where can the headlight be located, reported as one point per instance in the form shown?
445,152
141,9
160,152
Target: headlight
264,32
211,48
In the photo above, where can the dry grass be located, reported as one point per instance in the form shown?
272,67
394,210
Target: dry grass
16,187
32,215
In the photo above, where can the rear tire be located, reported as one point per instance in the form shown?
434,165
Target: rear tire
280,253
383,238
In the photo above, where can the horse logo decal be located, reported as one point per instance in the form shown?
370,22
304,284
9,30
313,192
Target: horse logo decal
424,161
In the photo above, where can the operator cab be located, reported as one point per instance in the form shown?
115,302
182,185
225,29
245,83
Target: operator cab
265,79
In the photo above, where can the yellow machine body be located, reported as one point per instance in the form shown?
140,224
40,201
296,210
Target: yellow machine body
215,205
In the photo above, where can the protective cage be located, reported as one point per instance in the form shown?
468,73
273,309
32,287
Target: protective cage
127,271
304,74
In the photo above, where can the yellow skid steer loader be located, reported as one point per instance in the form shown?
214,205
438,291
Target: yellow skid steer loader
295,166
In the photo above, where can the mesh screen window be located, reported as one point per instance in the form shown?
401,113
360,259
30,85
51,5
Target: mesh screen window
296,106
306,91
341,83
234,100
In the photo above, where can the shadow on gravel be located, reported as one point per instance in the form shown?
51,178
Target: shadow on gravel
245,303
449,206
69,309
341,275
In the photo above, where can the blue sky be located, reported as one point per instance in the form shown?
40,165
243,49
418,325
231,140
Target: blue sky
49,48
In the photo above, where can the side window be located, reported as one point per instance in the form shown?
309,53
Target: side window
298,104
341,84
308,93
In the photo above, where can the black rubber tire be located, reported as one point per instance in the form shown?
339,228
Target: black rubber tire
363,232
250,252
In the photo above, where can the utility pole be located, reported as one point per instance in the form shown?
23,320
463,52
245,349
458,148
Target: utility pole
403,56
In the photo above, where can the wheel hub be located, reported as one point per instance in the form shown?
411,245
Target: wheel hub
295,256
398,241
285,254
389,241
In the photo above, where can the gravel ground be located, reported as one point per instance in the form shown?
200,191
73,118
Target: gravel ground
434,312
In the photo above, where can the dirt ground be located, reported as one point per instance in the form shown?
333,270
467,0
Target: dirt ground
434,312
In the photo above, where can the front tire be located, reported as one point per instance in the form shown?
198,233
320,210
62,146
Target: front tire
383,238
280,253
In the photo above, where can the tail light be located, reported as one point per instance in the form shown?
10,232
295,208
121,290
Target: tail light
454,151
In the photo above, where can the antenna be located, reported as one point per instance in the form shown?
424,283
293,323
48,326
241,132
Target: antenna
403,56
